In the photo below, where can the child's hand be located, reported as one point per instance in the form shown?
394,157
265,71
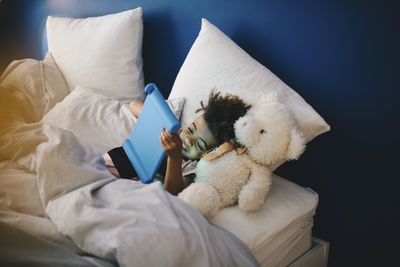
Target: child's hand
171,143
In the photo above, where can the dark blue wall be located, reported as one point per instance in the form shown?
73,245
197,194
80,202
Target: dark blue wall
341,56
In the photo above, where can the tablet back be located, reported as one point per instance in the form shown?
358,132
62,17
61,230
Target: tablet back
143,146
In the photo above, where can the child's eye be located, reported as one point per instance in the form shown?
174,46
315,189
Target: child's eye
199,146
190,130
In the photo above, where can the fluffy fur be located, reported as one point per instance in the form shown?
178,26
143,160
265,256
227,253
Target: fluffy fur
271,135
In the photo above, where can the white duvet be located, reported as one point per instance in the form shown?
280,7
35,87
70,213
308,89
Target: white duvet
54,185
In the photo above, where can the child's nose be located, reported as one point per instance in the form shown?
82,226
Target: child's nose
190,140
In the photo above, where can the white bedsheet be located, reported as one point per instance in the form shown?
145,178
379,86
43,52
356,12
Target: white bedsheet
79,204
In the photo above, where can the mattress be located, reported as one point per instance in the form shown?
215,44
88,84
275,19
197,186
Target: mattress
273,232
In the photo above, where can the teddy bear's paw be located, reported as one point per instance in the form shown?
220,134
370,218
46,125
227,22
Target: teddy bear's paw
249,201
203,197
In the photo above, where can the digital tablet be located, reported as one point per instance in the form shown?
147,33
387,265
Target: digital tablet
143,147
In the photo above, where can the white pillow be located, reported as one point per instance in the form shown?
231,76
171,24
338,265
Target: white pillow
215,61
176,105
39,85
103,52
102,122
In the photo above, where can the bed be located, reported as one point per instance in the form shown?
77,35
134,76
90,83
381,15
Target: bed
59,204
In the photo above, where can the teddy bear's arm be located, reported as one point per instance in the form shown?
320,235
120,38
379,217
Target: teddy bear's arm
253,193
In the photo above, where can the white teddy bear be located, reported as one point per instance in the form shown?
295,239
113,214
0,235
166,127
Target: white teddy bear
226,176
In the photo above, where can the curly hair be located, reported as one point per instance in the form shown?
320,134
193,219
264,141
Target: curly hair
220,114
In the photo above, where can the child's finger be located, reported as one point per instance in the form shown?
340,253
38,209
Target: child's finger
168,133
168,142
164,139
165,132
169,136
162,142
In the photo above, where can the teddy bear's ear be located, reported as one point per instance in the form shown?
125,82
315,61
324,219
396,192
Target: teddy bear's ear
297,144
270,97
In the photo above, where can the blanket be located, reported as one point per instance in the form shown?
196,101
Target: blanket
57,187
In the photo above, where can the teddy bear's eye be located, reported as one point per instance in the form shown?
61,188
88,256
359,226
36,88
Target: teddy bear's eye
262,131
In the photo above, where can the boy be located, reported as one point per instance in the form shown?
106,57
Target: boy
211,129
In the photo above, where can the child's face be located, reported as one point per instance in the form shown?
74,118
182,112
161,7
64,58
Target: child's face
197,139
